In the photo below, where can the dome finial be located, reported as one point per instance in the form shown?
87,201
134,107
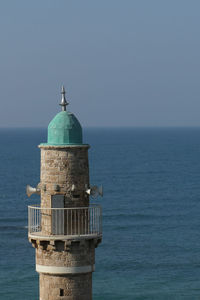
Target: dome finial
63,102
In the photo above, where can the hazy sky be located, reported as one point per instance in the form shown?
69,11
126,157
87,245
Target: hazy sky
123,63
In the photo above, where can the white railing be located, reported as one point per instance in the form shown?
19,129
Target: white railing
78,221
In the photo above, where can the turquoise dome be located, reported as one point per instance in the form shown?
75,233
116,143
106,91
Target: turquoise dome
64,129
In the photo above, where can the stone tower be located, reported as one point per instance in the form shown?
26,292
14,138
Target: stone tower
65,229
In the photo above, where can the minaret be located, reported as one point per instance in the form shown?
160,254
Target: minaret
65,229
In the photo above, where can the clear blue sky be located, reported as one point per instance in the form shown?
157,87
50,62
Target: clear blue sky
123,63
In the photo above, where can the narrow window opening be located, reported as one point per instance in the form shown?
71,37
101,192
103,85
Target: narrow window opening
61,292
76,196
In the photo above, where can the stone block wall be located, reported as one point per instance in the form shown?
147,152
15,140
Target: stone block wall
64,166
64,171
61,287
65,265
77,257
73,254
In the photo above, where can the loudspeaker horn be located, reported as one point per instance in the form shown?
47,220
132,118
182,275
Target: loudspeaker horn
31,190
95,191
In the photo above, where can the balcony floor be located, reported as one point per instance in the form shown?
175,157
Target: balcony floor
41,236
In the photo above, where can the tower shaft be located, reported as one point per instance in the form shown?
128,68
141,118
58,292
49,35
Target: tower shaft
65,247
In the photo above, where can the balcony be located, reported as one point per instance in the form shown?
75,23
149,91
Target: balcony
64,223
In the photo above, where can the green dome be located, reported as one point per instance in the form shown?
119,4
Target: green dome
64,129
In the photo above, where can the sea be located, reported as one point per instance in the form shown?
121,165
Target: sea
151,212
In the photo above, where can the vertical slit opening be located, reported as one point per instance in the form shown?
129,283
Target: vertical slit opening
61,292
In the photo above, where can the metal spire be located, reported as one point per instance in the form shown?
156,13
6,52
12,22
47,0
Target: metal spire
63,102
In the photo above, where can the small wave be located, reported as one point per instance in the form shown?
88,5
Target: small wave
12,220
134,216
12,228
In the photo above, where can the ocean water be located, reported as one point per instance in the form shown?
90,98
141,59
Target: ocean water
151,208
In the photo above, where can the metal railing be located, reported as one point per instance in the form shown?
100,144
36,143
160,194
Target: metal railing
65,221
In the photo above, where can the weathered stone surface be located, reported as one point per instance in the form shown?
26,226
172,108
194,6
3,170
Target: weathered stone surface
71,287
79,254
65,167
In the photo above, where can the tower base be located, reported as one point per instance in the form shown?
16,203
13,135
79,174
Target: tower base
70,287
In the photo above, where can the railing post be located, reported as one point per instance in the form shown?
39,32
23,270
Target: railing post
28,219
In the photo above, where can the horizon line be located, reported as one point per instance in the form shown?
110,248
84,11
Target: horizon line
108,127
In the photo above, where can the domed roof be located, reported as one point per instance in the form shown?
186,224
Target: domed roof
64,129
